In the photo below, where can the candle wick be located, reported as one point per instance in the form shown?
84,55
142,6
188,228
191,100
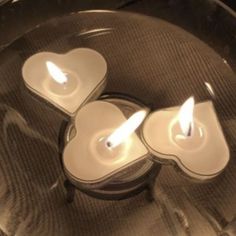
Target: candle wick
109,144
189,130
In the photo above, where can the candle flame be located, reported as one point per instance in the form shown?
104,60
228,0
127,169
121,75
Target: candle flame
56,73
126,129
185,117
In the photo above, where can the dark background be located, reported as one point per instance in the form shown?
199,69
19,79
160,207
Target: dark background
230,3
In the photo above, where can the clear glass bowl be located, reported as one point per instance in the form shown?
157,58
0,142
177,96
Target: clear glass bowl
161,61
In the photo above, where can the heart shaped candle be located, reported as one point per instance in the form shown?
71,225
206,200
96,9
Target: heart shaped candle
67,81
200,151
87,157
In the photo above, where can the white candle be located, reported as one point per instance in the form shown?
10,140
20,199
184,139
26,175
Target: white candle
67,81
91,156
198,147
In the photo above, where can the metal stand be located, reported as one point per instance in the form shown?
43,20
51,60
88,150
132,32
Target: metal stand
70,191
149,187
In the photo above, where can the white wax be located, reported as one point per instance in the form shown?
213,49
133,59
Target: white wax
85,70
86,157
202,155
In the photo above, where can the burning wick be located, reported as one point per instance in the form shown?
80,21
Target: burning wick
56,73
109,144
126,129
189,130
185,117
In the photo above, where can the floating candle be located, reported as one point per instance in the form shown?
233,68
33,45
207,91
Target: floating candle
190,136
67,81
101,146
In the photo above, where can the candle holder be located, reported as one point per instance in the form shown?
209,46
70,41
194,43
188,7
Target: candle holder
128,180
